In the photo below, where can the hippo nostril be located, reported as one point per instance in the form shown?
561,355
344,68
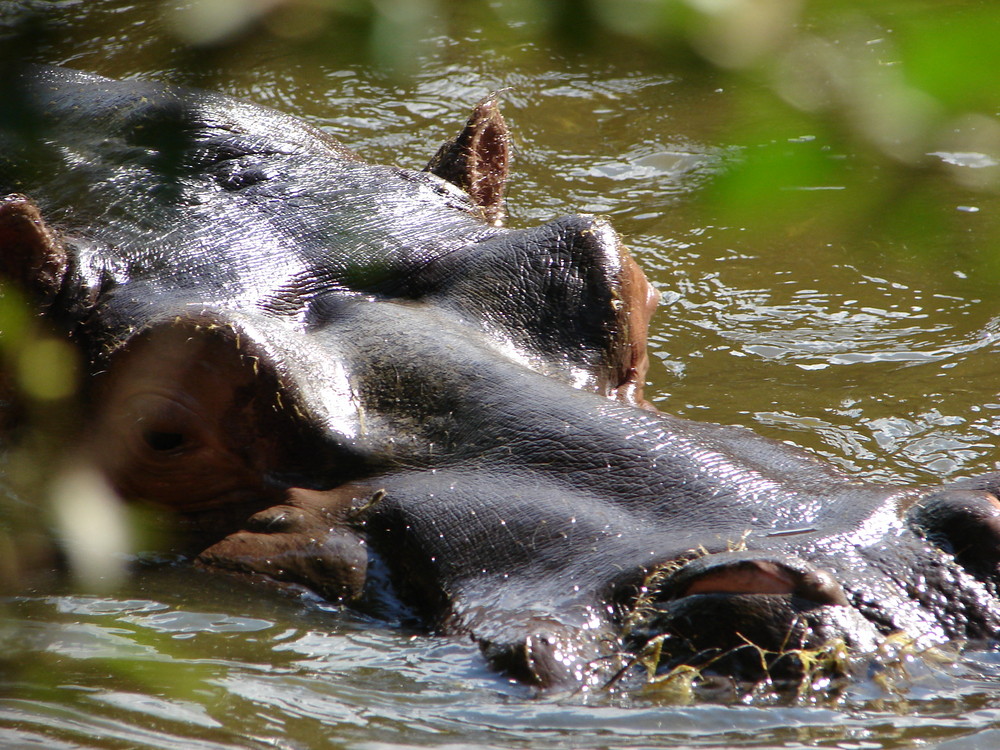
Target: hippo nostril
964,523
744,573
749,577
751,614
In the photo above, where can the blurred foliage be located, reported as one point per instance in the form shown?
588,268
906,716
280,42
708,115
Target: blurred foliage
38,379
853,119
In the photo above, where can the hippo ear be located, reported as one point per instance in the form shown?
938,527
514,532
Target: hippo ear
477,159
31,255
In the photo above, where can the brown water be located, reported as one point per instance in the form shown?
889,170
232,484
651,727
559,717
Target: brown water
874,351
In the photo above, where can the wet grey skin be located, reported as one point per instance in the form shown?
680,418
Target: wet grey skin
354,378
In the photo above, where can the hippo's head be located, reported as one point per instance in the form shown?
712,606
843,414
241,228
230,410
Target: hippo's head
352,377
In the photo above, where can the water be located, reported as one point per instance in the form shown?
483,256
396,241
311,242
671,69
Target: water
168,664
875,351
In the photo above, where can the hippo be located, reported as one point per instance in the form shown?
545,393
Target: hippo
354,378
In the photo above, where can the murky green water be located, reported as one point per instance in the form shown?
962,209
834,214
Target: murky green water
877,352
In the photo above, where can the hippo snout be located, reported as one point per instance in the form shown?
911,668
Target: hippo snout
749,615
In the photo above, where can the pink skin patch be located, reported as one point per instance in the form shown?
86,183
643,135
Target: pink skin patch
760,577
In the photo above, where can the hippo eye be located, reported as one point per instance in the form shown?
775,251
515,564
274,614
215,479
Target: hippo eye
163,441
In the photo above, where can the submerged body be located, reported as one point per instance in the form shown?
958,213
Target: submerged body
354,378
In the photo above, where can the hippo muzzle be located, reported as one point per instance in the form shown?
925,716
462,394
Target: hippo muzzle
354,378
